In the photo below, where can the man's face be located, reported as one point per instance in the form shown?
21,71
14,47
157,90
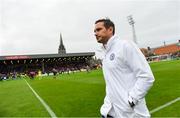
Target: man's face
102,34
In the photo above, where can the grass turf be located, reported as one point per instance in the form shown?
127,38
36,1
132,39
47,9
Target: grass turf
81,94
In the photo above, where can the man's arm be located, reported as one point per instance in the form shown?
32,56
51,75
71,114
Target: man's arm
141,69
106,107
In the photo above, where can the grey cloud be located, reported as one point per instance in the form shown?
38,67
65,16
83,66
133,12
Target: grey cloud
33,26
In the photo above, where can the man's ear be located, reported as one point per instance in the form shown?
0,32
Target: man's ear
111,29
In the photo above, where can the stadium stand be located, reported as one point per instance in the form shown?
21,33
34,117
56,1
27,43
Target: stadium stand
46,63
166,52
167,49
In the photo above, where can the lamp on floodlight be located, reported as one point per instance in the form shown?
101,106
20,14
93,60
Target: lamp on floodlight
131,22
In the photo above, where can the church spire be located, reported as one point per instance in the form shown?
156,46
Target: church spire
62,49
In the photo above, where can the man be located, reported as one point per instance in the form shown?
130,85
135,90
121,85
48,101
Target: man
54,72
32,74
127,74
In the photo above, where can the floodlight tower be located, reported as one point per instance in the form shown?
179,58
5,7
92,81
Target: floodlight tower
131,22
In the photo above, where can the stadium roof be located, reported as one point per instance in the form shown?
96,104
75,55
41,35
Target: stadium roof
40,56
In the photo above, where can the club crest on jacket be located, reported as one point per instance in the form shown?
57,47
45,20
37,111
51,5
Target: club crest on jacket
112,56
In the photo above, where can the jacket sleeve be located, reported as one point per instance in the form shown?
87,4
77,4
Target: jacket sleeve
137,63
106,107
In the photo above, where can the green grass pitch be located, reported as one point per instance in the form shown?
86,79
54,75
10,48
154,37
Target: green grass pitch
81,94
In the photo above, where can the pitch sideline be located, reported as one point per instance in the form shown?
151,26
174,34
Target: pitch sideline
165,105
49,110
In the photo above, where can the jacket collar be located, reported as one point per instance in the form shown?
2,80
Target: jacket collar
110,42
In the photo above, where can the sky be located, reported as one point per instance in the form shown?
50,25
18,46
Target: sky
34,26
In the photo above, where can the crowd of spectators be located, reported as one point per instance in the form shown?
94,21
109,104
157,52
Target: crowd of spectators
49,69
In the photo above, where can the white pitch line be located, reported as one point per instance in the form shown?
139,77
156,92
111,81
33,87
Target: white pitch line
165,105
49,110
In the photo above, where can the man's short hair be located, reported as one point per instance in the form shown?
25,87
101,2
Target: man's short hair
107,23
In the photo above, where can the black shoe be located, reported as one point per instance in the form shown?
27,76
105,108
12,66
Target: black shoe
108,116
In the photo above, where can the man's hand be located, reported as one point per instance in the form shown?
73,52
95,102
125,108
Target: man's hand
132,102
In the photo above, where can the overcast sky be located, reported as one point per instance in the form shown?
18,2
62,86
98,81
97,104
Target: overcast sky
34,26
